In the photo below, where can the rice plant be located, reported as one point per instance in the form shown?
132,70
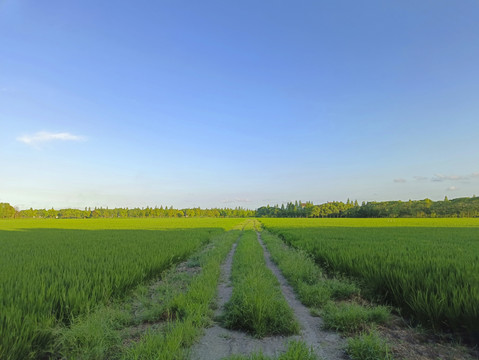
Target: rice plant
52,271
192,309
426,267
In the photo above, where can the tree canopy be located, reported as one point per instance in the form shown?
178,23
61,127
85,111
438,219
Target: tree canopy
460,207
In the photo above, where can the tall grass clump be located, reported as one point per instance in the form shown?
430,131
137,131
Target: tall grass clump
425,267
95,336
368,346
351,318
257,304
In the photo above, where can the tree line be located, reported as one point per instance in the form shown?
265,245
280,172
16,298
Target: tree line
460,207
8,211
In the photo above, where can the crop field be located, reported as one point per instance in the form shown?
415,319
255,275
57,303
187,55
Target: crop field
83,288
429,268
54,270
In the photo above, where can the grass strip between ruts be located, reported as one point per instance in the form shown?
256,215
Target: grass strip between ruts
257,305
297,350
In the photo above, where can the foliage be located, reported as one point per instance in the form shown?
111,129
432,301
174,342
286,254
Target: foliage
368,346
460,207
257,304
148,212
427,267
300,209
7,211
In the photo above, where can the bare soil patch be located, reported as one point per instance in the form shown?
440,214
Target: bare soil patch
407,343
133,333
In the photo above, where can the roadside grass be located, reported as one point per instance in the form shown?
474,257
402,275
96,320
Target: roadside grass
152,304
104,332
314,289
152,315
297,350
331,298
425,267
97,336
257,305
368,346
351,318
188,312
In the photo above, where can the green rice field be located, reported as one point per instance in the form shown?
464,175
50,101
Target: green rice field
429,268
54,270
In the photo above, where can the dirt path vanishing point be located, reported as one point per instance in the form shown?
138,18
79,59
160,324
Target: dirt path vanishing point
218,342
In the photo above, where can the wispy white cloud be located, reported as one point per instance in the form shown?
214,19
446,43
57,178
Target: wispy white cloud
440,177
451,188
42,137
236,200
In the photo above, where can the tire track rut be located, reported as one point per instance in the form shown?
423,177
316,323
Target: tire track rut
218,342
326,344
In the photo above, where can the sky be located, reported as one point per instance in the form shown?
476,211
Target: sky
245,103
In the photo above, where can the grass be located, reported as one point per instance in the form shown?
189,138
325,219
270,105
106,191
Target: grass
190,310
368,346
425,267
351,318
257,305
94,337
297,350
103,333
314,289
55,272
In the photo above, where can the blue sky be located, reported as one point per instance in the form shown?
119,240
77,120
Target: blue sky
237,103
